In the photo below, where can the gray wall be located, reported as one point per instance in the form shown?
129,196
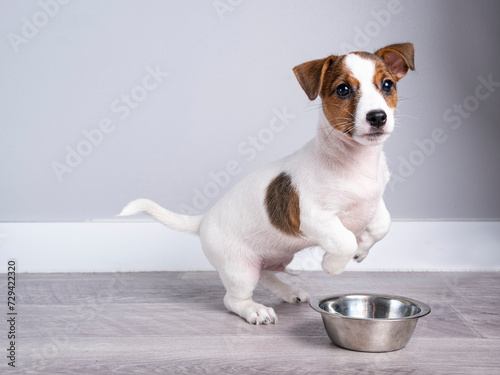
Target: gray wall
90,119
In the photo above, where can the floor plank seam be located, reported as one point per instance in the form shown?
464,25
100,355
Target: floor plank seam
470,324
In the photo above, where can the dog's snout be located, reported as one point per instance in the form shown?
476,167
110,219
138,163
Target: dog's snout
376,118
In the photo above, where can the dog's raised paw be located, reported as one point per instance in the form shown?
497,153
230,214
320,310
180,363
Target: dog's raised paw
334,270
334,265
360,256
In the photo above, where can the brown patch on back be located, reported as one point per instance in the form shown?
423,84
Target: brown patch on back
282,205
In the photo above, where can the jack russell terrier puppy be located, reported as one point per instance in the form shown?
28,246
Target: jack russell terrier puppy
327,194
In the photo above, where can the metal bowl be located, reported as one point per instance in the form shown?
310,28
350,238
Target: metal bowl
370,322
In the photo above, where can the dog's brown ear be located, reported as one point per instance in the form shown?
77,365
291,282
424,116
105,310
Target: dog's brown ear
399,58
310,75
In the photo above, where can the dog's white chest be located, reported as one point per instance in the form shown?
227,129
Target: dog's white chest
361,194
360,206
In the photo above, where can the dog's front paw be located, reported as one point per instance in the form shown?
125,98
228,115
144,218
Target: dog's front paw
360,255
333,265
296,296
334,270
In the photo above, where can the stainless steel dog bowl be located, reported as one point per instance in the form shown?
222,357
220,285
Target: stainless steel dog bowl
370,322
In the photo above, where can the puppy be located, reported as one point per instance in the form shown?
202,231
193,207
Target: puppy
327,194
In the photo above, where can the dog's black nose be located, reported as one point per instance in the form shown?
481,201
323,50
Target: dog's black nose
376,118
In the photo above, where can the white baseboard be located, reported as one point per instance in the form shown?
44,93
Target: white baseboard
148,246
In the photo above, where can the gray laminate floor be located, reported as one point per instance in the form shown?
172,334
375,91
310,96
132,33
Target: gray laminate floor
175,323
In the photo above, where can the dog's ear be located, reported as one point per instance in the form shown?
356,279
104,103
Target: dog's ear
310,75
399,58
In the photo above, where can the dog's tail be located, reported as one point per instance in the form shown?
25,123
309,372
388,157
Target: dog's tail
184,223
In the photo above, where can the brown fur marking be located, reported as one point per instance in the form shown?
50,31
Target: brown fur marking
381,74
399,58
282,205
339,112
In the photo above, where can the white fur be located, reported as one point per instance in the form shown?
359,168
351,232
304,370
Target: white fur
371,99
340,181
175,221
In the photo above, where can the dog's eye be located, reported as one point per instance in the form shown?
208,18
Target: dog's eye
343,90
387,86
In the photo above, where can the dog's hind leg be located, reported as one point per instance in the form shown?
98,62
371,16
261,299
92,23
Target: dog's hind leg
240,283
288,293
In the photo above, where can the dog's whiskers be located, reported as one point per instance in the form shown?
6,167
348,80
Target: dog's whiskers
409,116
312,107
349,129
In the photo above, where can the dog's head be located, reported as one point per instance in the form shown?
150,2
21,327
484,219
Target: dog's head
358,90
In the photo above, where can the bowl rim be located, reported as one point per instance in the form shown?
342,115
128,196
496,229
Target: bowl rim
424,308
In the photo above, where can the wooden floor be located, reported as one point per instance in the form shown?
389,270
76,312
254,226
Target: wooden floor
175,323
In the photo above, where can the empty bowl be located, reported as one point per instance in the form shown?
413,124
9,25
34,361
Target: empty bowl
370,322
